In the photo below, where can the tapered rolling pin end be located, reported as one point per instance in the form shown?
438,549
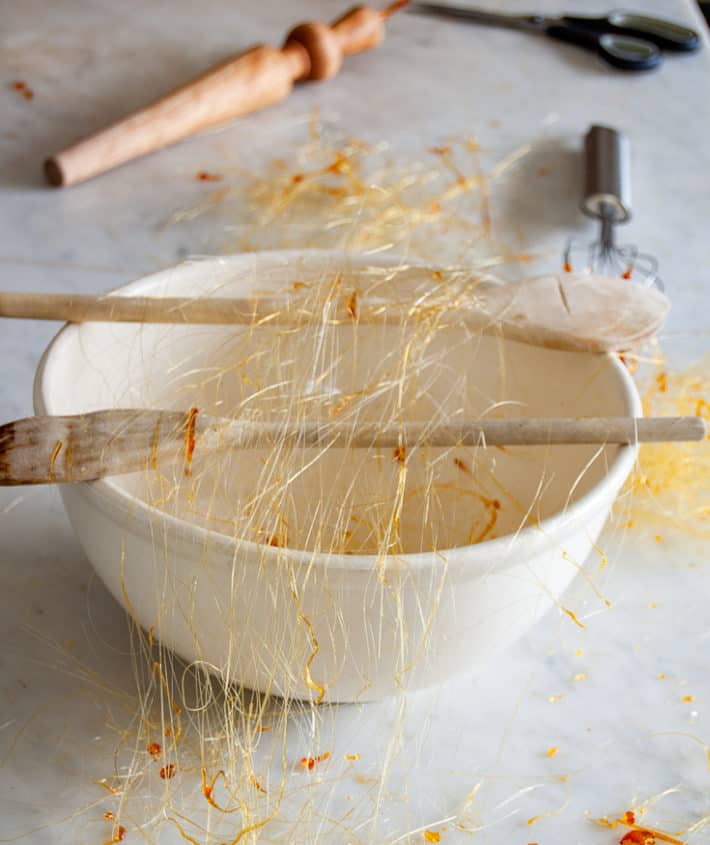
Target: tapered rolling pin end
53,173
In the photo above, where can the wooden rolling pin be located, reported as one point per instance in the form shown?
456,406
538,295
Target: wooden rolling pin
45,450
245,83
571,311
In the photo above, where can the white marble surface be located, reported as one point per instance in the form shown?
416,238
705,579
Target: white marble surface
623,734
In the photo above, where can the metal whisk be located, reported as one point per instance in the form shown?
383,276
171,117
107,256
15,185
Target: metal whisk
607,198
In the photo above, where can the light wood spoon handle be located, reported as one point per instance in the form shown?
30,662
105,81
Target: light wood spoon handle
44,450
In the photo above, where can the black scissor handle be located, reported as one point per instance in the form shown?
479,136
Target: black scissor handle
666,34
628,53
621,51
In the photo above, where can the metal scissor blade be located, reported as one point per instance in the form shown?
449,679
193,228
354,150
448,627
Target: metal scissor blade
536,23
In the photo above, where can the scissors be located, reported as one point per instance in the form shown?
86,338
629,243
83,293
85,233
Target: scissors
623,39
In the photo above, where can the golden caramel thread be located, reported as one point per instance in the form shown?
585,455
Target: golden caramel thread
638,837
157,668
628,819
669,485
208,788
181,830
167,772
154,445
190,423
53,459
118,836
352,306
311,762
573,616
310,683
340,165
493,506
256,784
463,466
23,89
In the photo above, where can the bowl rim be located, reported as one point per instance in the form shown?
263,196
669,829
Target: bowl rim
106,493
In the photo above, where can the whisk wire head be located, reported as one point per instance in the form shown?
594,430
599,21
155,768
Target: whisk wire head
607,258
607,198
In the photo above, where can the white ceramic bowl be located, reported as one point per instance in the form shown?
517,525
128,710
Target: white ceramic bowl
290,621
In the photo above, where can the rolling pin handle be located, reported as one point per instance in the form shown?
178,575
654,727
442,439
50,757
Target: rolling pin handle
323,48
359,29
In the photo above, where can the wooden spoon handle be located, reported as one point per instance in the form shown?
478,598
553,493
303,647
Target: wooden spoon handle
80,308
568,311
44,450
245,83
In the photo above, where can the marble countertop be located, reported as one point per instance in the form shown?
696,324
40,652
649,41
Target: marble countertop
472,753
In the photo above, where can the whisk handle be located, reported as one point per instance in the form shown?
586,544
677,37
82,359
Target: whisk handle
607,188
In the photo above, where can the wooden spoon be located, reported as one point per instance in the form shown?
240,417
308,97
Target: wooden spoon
569,311
43,450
